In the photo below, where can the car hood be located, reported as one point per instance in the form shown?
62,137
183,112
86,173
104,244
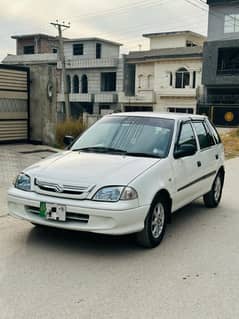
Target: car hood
90,168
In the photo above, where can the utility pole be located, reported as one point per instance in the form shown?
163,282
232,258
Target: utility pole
60,27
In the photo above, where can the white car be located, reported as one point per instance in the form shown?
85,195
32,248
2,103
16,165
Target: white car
126,174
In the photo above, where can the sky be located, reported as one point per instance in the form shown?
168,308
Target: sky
123,21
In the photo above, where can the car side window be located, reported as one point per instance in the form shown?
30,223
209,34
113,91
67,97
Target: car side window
186,135
210,135
214,132
204,137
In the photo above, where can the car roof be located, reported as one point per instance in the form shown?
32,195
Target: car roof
166,115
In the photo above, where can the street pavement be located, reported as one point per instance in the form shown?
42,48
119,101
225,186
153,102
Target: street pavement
60,274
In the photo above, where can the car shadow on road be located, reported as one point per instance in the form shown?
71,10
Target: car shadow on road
59,239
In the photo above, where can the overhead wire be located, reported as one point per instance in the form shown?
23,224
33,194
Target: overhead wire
141,4
217,15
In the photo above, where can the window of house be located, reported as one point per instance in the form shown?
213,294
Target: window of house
228,60
190,44
130,108
180,110
140,81
194,79
108,81
231,23
171,79
54,50
78,49
28,49
84,84
205,140
76,84
98,50
182,78
68,84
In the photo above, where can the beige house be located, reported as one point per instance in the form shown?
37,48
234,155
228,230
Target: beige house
168,76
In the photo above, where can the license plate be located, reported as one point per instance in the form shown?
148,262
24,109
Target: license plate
53,212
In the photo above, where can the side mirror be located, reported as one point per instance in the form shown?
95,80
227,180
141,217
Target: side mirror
68,140
185,150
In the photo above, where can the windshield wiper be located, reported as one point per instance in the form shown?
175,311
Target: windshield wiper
100,149
141,154
110,150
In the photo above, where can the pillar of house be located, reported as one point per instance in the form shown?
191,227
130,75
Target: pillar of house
191,80
96,108
174,79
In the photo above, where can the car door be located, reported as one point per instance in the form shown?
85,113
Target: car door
186,169
207,156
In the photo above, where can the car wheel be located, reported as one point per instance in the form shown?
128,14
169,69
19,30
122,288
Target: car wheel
212,198
39,226
155,224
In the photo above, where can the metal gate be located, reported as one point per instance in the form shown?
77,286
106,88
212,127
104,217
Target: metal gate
221,115
14,103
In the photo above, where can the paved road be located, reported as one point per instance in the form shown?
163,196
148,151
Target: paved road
59,274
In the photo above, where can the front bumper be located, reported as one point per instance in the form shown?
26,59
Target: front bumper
123,217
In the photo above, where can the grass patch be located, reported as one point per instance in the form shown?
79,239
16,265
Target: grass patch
231,143
69,127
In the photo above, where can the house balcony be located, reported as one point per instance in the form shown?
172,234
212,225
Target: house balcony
82,63
143,96
31,58
76,97
106,98
173,92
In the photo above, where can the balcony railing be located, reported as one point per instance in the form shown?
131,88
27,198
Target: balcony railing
106,98
31,58
220,99
89,97
76,97
89,63
143,96
184,92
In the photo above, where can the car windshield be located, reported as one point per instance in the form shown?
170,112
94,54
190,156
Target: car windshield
133,136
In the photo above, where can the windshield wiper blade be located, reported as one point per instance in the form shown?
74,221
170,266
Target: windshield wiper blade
141,154
110,150
100,149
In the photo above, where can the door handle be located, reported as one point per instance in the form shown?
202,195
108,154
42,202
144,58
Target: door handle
217,156
199,164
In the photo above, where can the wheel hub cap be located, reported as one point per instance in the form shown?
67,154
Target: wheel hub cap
158,218
217,188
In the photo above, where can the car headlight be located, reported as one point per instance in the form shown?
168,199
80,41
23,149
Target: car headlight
23,182
115,193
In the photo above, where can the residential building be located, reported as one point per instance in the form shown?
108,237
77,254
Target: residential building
167,77
221,64
94,75
38,52
35,44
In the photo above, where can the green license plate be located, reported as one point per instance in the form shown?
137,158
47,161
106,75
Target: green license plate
43,209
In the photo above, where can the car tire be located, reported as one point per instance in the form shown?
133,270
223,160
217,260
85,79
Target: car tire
154,225
39,226
213,198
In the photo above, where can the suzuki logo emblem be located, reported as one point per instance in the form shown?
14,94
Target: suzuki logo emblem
59,189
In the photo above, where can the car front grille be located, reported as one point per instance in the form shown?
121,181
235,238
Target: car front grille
58,190
70,216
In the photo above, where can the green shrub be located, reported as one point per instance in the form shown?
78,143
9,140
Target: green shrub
69,127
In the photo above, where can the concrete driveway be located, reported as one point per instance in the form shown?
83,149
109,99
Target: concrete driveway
60,274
